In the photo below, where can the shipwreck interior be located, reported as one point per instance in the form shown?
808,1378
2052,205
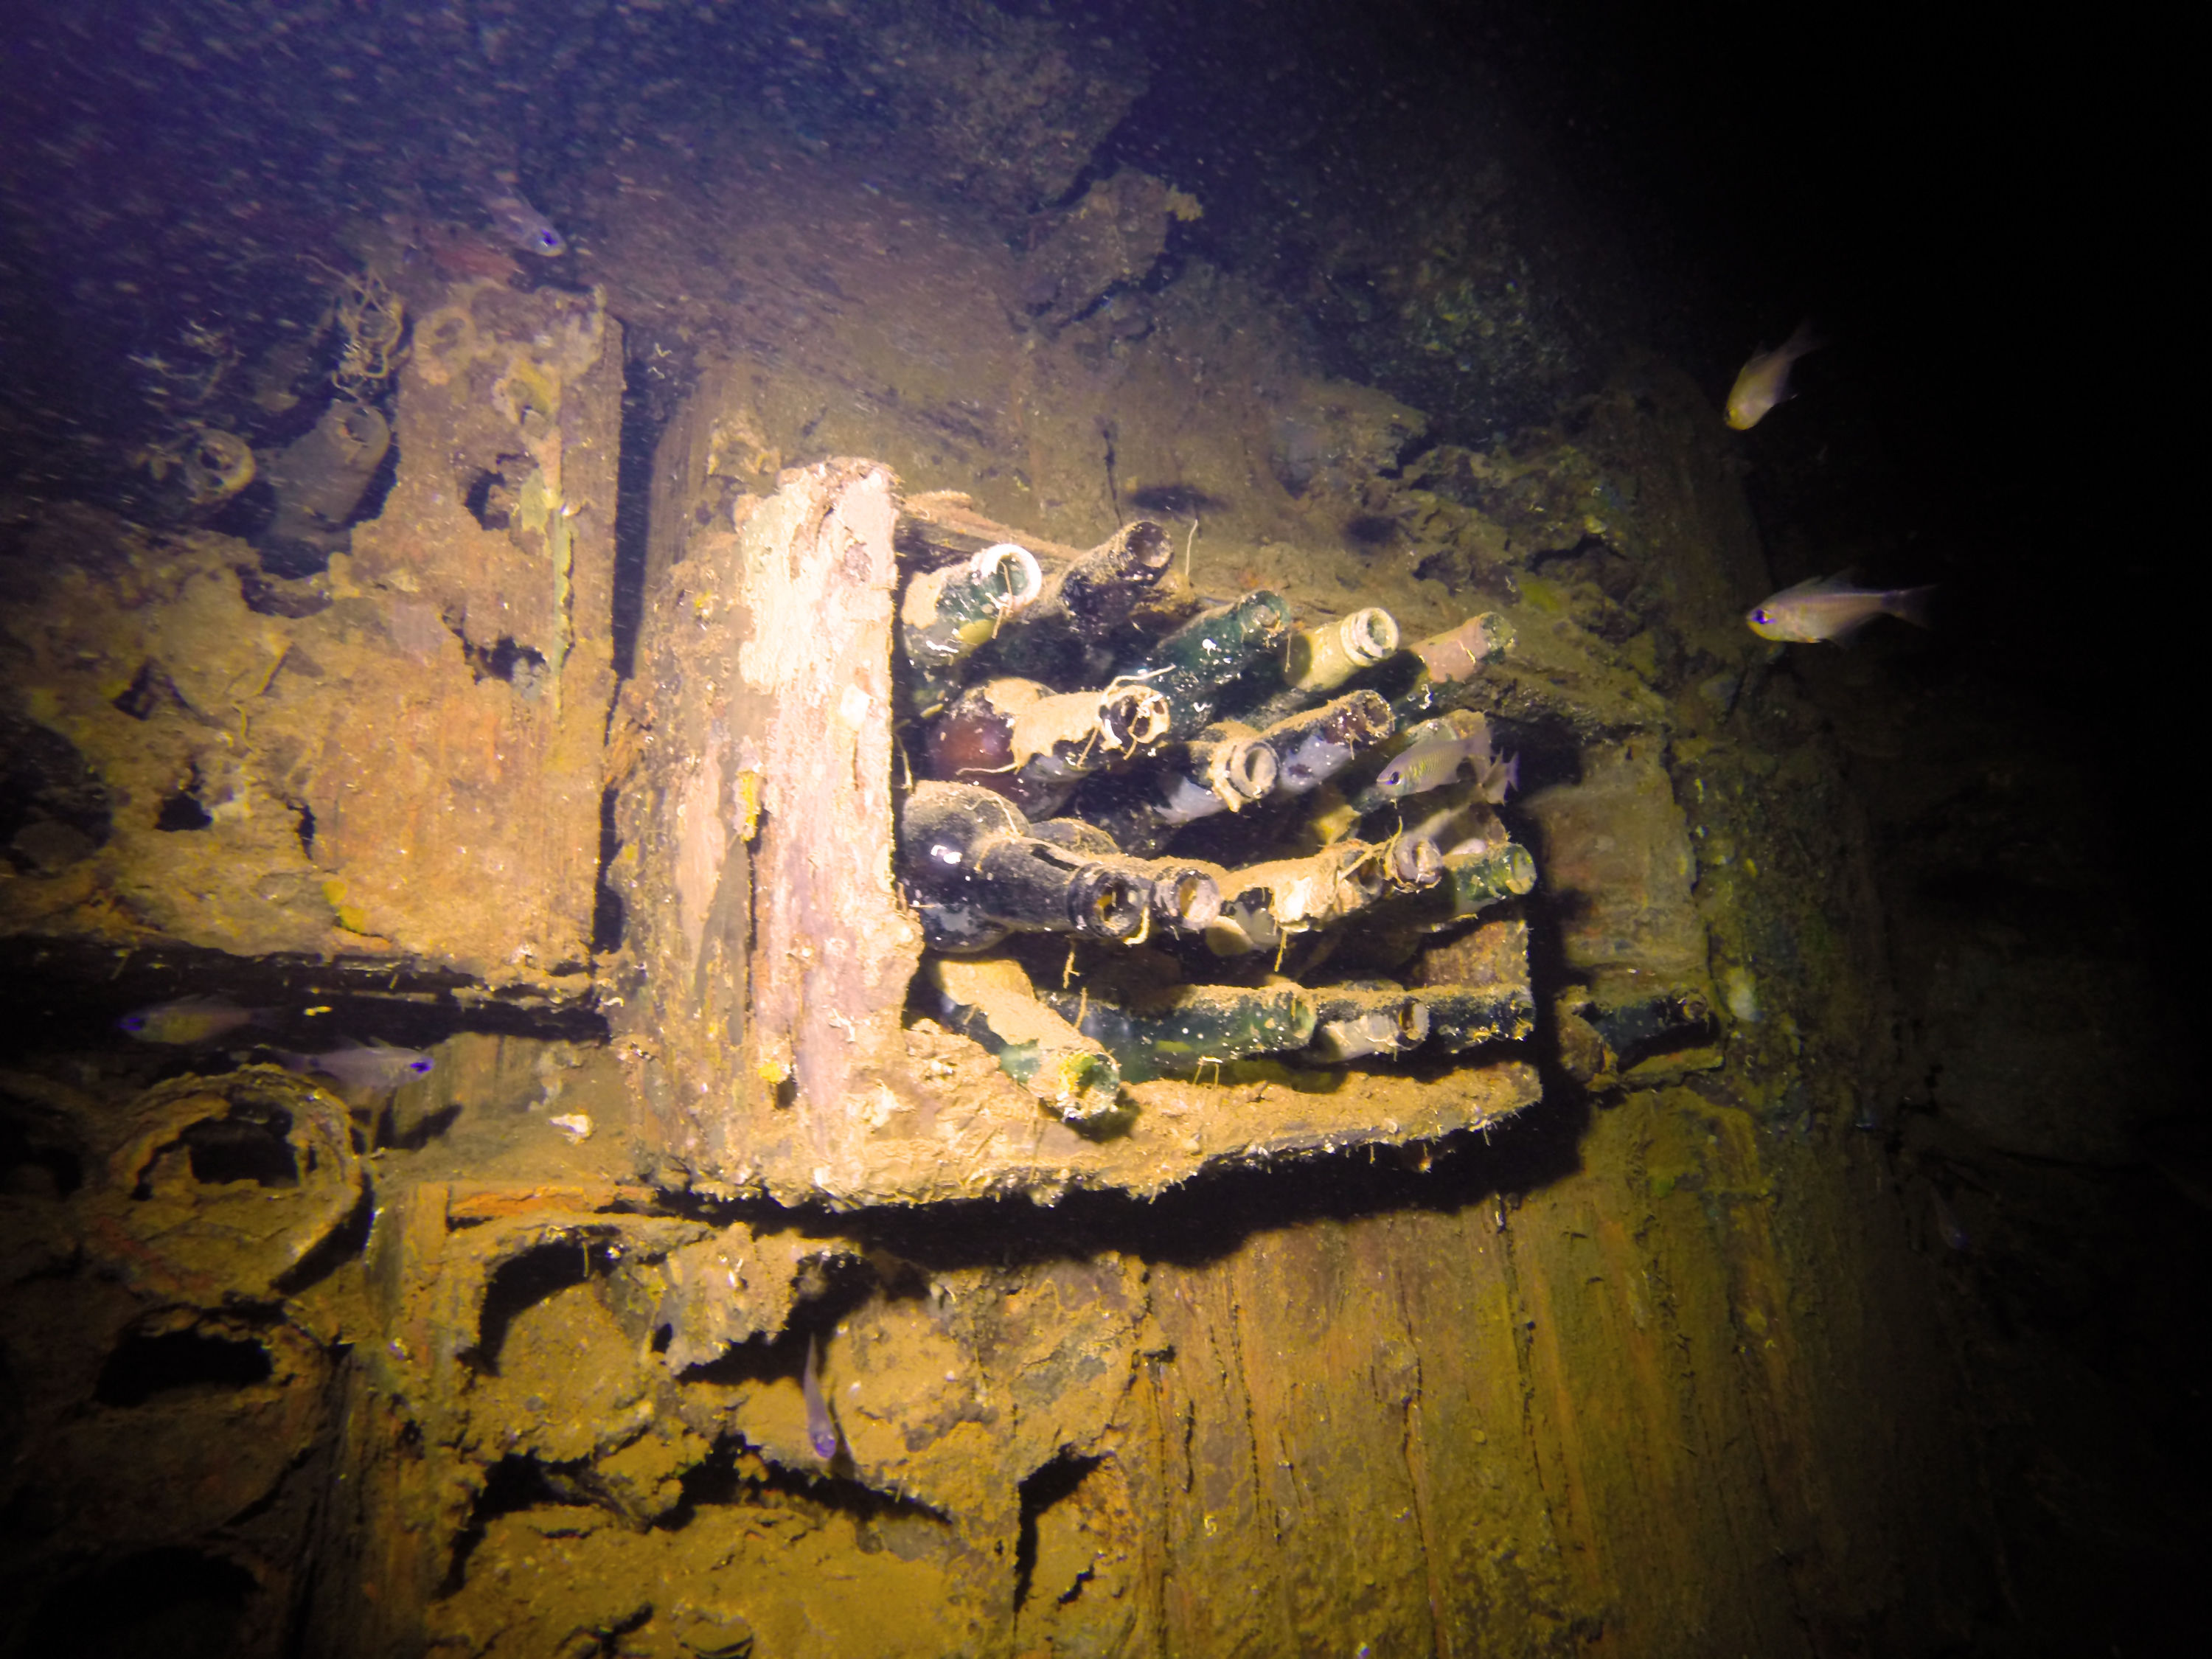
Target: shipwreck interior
981,827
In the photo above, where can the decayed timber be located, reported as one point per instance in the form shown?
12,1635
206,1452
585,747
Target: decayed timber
395,761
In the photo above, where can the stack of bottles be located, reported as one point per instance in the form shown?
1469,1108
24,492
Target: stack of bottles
1146,847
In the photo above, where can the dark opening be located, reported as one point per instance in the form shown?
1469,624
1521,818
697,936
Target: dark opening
143,1366
53,804
521,1284
643,414
182,810
1044,1488
27,1143
477,500
381,481
243,1149
491,496
176,1602
1369,529
1177,501
606,904
306,829
150,689
513,1484
507,660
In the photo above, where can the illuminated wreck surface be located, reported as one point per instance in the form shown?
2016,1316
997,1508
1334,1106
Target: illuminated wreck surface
933,829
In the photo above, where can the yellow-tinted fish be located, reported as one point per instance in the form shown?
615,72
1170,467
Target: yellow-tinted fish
189,1020
1829,608
1765,381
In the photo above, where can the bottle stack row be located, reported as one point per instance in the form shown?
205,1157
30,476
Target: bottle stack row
1147,844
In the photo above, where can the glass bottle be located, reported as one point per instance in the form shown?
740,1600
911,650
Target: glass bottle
948,614
1196,667
970,864
1318,659
1065,636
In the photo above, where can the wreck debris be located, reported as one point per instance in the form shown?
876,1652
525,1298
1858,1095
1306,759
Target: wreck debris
371,320
221,1191
319,479
1003,840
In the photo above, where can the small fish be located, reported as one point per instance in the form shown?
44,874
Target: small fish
1948,1227
1434,760
820,1430
376,1067
525,226
458,252
1829,608
1765,381
189,1020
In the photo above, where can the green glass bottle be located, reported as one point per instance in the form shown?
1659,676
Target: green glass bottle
1192,1027
1364,1019
1066,637
1033,745
1313,747
1197,667
1319,659
1463,1017
1444,671
992,1002
948,614
1186,893
1471,883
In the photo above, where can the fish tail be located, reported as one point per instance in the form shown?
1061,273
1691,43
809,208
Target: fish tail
1807,338
1910,604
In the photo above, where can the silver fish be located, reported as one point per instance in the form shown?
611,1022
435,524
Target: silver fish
821,1429
376,1067
1765,381
1829,608
525,226
1434,759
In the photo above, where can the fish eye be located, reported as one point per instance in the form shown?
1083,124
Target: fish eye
1758,614
132,1022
